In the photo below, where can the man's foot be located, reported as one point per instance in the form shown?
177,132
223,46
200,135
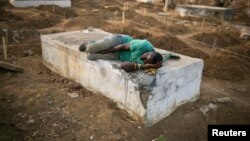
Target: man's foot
82,47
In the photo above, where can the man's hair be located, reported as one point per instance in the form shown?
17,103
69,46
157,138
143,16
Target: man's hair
157,57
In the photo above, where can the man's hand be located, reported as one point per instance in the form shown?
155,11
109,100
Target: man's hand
155,66
129,66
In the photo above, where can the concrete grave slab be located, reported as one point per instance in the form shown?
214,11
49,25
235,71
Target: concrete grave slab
36,3
148,98
208,11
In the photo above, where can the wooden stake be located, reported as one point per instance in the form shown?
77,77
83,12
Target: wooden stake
166,6
203,23
123,17
64,15
172,18
116,13
124,6
4,48
11,67
53,7
145,11
7,35
215,41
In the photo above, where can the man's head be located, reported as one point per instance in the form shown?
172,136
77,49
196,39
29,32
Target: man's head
151,57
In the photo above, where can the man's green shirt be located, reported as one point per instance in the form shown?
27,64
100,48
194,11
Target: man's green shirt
137,48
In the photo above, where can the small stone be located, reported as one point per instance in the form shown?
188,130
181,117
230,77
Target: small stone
95,10
222,100
91,137
54,125
31,121
139,127
35,133
73,95
212,106
204,110
38,95
69,84
30,52
50,102
23,116
25,53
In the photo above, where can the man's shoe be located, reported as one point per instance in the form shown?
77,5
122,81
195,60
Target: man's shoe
82,47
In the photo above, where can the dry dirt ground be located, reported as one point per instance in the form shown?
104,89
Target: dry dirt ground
35,105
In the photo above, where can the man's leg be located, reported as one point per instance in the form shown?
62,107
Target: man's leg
108,56
99,45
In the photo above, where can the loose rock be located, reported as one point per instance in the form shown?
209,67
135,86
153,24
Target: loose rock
31,121
222,100
73,95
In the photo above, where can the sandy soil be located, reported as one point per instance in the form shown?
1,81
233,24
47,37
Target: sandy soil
35,104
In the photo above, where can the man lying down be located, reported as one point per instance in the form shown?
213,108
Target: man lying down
135,54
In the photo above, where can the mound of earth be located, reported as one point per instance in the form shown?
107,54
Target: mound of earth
8,17
242,16
196,53
82,23
145,20
227,68
23,36
168,43
37,22
112,8
129,30
176,29
13,132
67,12
243,50
223,39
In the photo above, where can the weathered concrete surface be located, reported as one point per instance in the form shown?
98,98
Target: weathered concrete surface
245,33
147,98
145,1
36,3
209,11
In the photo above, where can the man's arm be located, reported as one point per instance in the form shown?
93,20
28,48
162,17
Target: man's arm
122,47
129,66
